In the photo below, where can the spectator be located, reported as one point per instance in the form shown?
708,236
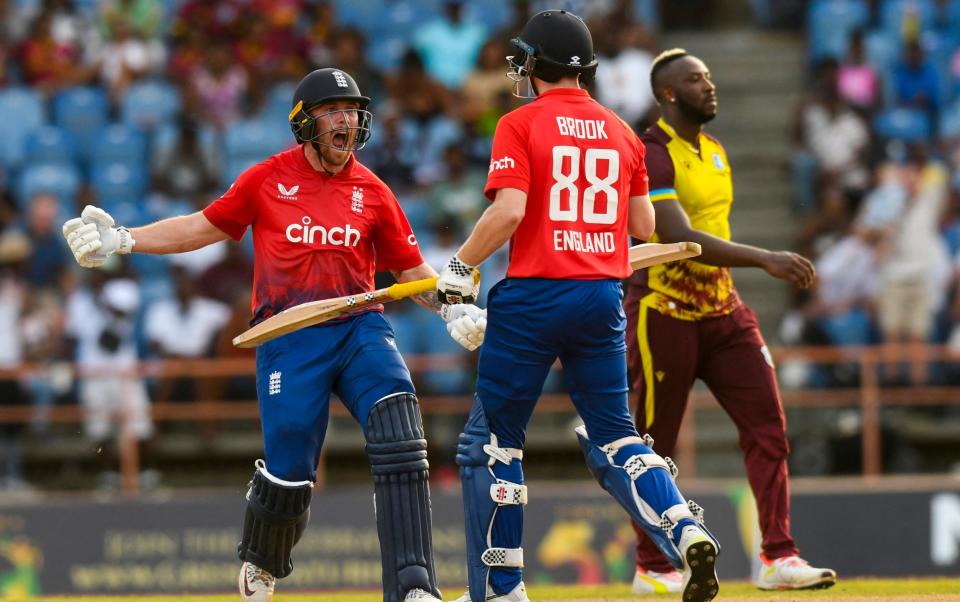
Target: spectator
106,355
128,57
916,83
49,64
914,272
49,256
216,91
394,155
834,136
449,44
185,170
321,34
184,327
13,297
458,194
224,280
623,83
483,87
857,80
142,19
418,96
348,54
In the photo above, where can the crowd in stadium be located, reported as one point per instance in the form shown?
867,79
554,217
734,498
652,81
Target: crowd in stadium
876,168
150,109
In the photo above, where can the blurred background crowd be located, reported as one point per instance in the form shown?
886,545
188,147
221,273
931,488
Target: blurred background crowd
151,108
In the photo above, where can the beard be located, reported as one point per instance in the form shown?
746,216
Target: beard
694,113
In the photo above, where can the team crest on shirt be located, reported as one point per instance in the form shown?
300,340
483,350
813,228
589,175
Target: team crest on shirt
356,201
289,194
718,162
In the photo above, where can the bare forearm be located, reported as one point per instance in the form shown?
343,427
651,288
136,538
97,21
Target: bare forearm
176,235
426,300
719,252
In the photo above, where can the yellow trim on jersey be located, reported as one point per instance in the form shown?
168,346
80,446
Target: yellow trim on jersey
646,358
663,194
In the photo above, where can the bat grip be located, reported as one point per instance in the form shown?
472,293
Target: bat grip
402,290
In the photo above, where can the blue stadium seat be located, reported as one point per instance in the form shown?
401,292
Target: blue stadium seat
279,102
118,182
385,52
950,121
166,136
22,110
236,166
903,124
434,331
893,14
149,104
497,14
62,180
50,144
118,142
358,14
256,139
82,111
830,23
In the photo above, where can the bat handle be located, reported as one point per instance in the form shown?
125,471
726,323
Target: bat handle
402,290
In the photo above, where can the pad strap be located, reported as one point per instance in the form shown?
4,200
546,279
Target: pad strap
509,557
501,454
505,492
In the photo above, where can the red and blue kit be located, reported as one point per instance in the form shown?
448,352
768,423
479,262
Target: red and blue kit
315,236
579,164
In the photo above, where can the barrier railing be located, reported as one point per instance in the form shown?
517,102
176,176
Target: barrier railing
869,397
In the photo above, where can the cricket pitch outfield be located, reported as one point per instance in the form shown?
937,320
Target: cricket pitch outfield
847,590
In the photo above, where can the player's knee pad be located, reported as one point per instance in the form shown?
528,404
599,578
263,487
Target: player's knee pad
397,452
276,516
493,496
642,482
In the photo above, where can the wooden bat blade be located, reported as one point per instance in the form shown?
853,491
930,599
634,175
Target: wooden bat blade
652,253
316,312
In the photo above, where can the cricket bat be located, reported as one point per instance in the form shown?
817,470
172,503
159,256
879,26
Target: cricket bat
653,253
315,312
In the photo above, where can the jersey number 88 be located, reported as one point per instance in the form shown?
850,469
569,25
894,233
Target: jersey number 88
568,181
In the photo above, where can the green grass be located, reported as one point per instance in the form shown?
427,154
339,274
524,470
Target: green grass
879,589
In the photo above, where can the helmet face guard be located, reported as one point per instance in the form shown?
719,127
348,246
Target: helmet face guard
353,123
519,68
553,44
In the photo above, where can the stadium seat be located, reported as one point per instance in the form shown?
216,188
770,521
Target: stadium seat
830,23
950,121
81,111
903,124
117,182
118,142
385,52
497,14
166,136
62,180
894,14
149,104
50,144
279,102
255,139
22,110
235,167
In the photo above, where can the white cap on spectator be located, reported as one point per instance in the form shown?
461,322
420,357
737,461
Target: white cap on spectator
121,295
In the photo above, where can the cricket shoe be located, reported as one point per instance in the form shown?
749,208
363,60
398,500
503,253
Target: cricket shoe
699,551
647,583
420,595
256,584
793,572
517,594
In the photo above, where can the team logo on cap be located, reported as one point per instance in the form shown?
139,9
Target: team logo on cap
341,79
575,61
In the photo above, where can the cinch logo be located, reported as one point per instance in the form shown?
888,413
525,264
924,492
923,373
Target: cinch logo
504,163
288,193
347,236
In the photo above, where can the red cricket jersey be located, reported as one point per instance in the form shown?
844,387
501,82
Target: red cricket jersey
579,164
315,236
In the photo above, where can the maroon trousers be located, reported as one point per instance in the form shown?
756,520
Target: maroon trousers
728,353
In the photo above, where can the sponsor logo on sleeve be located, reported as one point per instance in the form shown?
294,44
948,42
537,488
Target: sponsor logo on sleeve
502,163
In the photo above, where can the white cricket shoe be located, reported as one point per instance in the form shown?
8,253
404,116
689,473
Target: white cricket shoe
517,594
793,572
699,552
646,583
420,594
256,584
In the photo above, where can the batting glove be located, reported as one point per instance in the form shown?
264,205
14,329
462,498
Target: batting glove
466,324
458,283
92,237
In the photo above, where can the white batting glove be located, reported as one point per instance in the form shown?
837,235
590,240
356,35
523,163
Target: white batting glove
458,282
92,237
466,324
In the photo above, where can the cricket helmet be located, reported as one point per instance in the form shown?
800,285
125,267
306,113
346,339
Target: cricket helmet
553,43
325,85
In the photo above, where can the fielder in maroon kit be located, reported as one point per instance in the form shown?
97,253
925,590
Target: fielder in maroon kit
322,225
685,321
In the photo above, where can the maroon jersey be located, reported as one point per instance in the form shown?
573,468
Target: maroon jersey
579,165
315,236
